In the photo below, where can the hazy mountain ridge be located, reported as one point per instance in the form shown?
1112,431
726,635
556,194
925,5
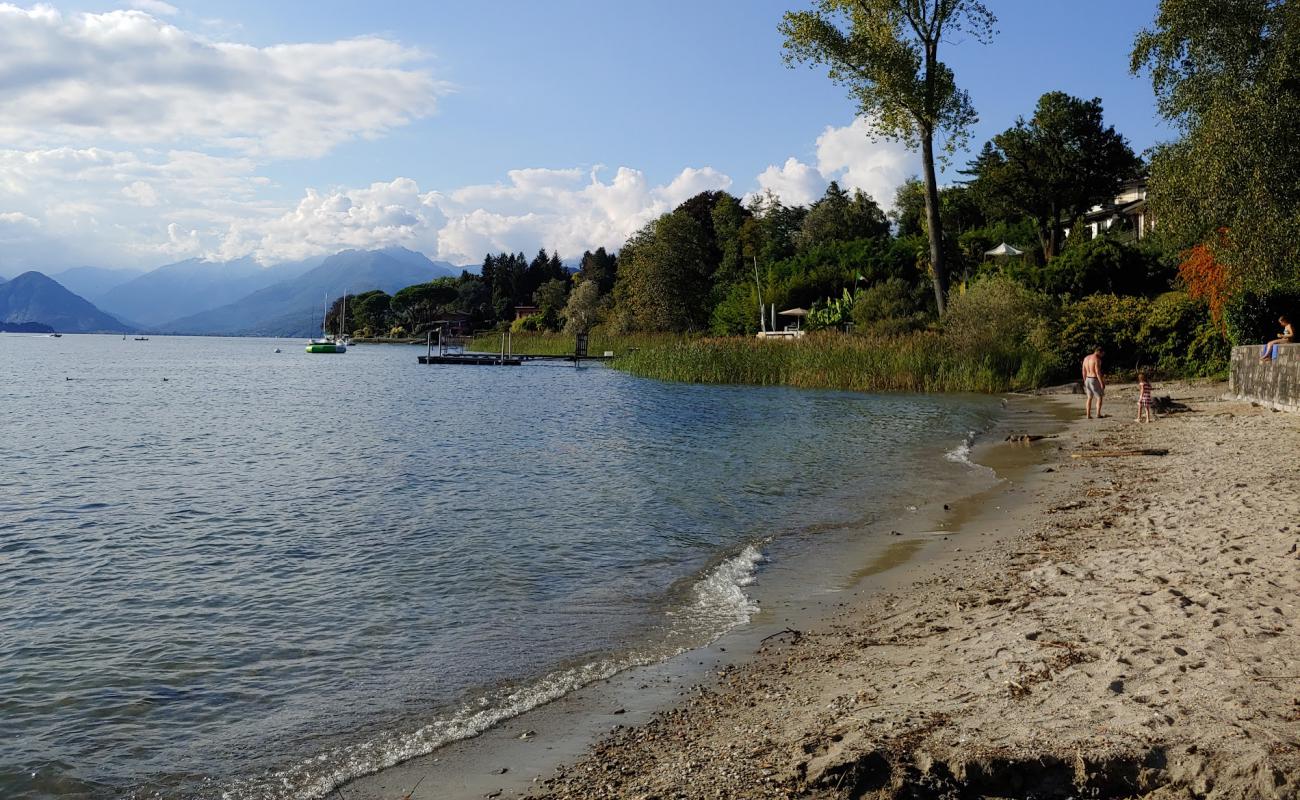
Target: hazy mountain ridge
190,287
34,297
93,283
294,307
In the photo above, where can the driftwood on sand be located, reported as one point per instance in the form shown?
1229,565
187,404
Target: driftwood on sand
1146,451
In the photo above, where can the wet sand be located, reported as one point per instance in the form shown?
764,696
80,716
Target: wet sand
1128,630
800,591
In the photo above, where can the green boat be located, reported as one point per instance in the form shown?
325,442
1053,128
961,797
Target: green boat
331,344
325,346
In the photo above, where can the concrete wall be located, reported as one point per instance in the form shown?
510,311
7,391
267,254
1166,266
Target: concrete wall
1274,383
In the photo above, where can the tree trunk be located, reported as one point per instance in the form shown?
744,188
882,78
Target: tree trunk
1044,240
938,269
1053,236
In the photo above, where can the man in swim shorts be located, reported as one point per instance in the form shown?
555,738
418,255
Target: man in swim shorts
1094,385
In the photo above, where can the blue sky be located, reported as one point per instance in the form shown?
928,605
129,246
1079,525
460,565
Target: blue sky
417,144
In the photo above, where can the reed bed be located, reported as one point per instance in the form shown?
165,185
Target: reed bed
561,344
922,362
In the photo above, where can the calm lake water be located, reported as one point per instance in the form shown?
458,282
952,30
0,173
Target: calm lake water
230,572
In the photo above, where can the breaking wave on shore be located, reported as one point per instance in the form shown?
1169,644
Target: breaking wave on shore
718,603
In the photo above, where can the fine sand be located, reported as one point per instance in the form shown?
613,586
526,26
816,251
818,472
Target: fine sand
1131,634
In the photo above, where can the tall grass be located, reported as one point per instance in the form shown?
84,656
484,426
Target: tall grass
560,344
920,362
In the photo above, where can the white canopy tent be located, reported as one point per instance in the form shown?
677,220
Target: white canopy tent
1004,249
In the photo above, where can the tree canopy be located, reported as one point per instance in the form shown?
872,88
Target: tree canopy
1053,167
1224,73
886,52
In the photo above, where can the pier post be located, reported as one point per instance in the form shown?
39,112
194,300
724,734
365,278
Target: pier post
503,349
428,344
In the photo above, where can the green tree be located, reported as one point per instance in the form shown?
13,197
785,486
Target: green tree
1054,167
909,208
664,276
599,267
416,306
586,307
839,217
1224,74
886,52
550,299
729,218
771,232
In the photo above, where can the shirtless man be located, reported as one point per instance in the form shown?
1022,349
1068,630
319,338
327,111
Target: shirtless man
1094,385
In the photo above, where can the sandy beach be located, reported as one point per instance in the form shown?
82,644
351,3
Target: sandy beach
1134,636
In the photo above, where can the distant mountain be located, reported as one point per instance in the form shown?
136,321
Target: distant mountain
190,287
293,307
33,297
93,283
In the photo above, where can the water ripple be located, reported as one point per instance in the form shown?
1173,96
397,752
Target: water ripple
276,570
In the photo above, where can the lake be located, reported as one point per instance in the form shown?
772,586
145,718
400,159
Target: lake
227,571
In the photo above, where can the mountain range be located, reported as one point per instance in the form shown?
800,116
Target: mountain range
93,283
295,307
35,298
189,287
214,298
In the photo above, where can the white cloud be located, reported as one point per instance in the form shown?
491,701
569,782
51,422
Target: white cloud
848,155
141,193
126,76
323,222
878,168
19,218
155,7
794,182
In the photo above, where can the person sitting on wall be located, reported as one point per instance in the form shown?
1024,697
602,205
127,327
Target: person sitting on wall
1287,336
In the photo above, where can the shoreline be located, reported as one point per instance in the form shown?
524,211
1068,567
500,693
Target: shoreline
1132,634
512,757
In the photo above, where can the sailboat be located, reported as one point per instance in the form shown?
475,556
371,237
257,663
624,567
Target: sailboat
331,344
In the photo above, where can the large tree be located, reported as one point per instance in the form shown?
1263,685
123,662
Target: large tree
1053,167
841,217
886,52
664,276
1225,74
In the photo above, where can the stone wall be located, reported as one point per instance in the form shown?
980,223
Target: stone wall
1274,383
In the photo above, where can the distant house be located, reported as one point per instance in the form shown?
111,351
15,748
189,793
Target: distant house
455,323
526,311
1126,212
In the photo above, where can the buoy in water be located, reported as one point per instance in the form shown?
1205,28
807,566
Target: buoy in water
277,349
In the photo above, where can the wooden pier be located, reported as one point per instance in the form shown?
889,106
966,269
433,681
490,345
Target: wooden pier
505,358
474,359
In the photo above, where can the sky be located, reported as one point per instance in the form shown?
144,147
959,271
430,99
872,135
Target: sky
138,133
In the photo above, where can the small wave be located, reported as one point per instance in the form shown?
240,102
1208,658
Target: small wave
720,595
718,604
961,453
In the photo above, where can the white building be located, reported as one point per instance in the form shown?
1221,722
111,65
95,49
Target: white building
1127,211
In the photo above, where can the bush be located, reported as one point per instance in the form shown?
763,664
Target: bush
1105,266
1251,317
530,323
1178,337
1108,321
1002,325
890,308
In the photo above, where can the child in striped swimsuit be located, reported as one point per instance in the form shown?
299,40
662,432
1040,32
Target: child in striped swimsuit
1145,399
